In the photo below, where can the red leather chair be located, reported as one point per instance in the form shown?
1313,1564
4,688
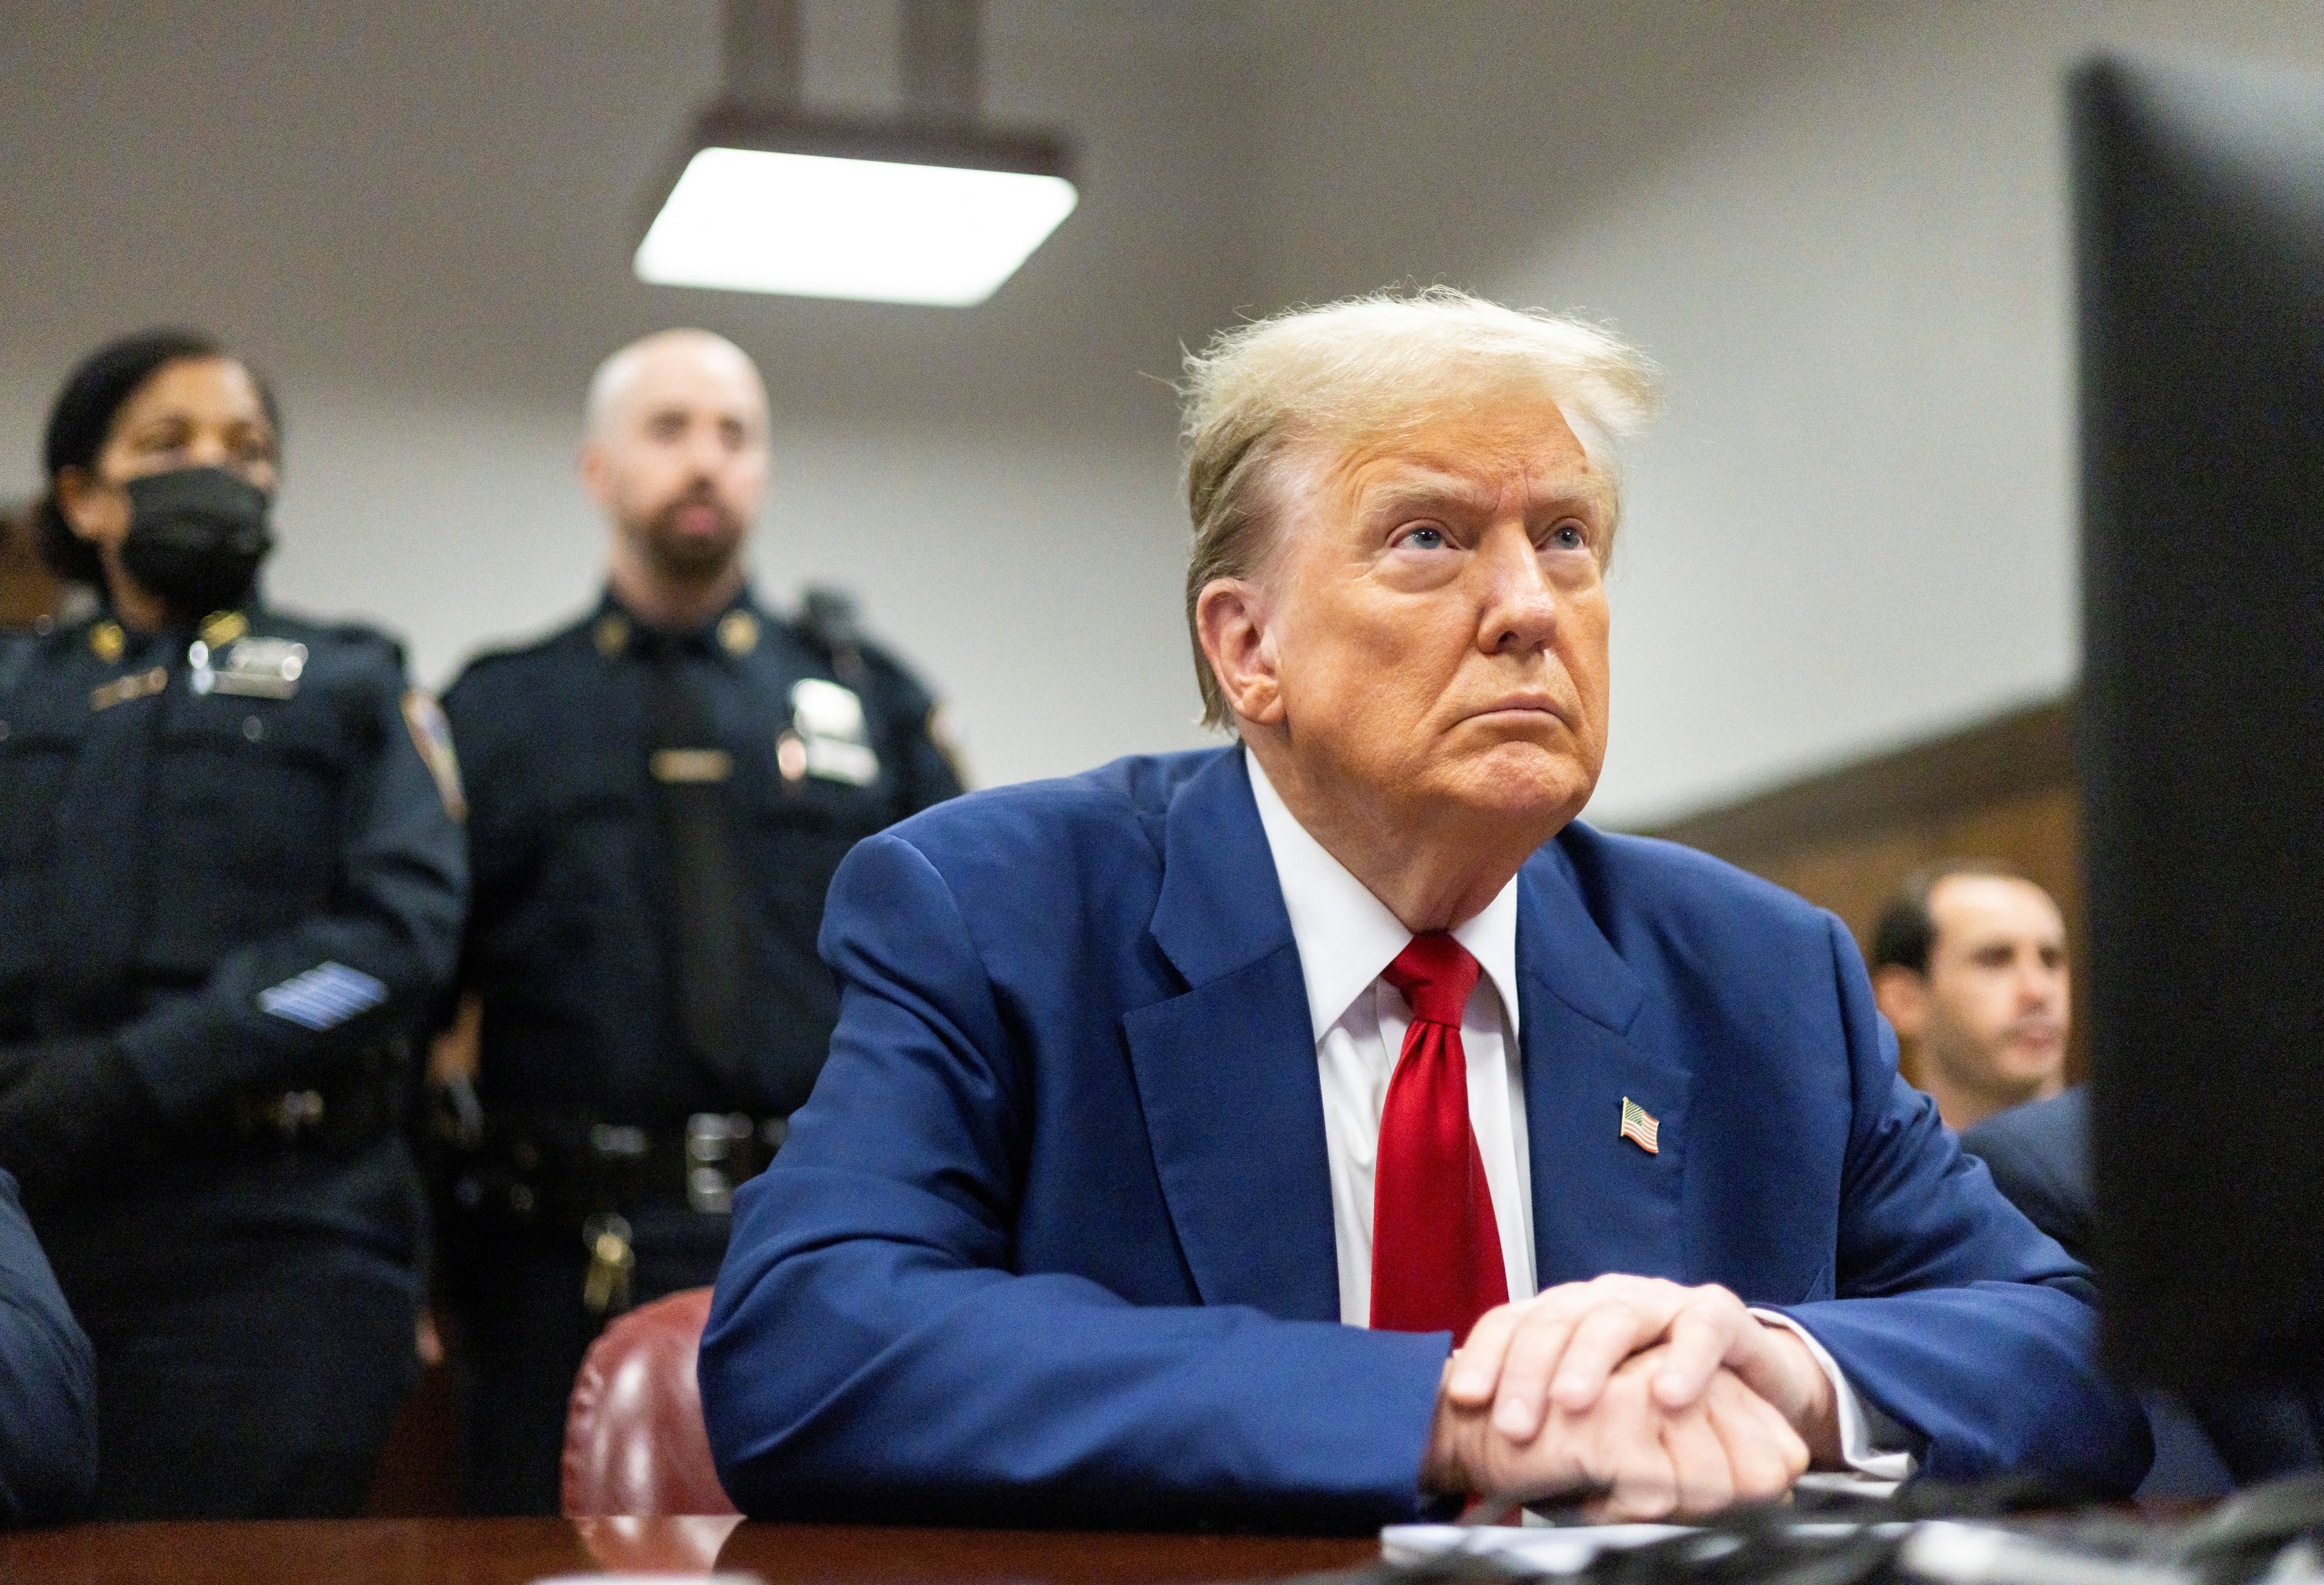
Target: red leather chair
635,1441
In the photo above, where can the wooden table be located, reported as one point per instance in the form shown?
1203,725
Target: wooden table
510,1552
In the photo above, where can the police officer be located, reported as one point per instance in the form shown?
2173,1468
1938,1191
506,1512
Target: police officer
231,884
658,795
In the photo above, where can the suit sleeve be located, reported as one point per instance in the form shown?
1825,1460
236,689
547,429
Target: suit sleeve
1955,1316
392,928
48,1383
871,1355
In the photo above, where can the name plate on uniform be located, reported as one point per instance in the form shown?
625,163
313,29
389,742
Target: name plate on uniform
691,765
122,690
828,722
253,668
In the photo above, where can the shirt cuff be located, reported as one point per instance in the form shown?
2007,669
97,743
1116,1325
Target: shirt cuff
1856,1429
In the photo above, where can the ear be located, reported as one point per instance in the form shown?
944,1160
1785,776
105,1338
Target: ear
597,473
90,511
1902,998
1231,615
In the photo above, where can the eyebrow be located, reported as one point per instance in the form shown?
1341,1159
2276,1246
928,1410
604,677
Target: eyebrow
1420,489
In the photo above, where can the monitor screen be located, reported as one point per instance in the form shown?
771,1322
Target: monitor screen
2199,240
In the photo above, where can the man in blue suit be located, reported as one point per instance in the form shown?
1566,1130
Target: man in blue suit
1328,1130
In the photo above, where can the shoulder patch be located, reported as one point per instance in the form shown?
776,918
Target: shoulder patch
939,732
323,998
432,734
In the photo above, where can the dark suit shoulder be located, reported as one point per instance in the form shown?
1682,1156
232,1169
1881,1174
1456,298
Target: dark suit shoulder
523,681
507,665
1079,835
2040,1158
886,671
1634,882
350,647
888,666
1130,795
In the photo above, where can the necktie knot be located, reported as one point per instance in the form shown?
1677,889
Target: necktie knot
1434,973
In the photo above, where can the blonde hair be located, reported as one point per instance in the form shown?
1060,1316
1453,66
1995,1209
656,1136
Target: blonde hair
1364,370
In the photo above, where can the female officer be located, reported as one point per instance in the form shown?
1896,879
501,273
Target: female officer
231,878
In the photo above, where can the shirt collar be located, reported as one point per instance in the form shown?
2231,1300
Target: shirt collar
610,605
617,630
1346,936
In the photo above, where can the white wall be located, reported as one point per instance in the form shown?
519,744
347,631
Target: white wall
419,218
1842,230
1840,226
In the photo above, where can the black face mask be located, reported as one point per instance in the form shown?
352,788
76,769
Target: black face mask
196,538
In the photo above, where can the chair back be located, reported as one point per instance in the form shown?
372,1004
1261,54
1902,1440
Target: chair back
635,1441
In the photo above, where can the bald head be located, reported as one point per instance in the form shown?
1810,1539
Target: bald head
675,451
664,357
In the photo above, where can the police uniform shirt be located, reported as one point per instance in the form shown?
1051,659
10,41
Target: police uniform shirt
235,850
571,775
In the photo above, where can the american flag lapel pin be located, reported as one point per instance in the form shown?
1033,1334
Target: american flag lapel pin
1639,1127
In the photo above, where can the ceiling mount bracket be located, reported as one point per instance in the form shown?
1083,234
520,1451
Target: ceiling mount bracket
927,206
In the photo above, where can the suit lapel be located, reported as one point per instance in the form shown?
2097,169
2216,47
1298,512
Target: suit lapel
1600,1203
1226,1072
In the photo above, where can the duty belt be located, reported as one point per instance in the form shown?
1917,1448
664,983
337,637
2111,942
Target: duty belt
336,1115
718,1151
560,1170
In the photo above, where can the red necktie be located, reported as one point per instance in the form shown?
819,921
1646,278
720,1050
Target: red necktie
1437,1251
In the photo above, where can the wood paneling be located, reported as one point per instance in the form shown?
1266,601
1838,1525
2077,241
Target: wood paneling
509,1551
1845,839
29,590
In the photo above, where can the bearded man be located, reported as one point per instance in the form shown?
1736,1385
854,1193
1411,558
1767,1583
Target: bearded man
658,796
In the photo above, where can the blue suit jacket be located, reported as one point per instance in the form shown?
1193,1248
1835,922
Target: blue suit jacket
1052,1243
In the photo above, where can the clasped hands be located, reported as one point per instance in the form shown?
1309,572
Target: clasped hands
1653,1398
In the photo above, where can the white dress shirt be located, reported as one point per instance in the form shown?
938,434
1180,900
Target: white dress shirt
1346,936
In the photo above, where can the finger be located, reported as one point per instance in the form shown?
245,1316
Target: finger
1699,1463
1530,1337
1774,1362
1532,1340
1790,1446
1764,1454
1477,1362
1702,1337
1602,1341
1649,1295
1625,1455
1520,1399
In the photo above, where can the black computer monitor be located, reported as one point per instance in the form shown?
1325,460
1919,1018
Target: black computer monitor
2199,230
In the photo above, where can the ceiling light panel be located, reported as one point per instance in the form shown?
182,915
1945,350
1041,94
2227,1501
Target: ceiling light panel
868,230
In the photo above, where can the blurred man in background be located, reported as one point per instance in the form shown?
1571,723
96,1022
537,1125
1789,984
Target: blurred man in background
659,795
1969,965
1970,968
